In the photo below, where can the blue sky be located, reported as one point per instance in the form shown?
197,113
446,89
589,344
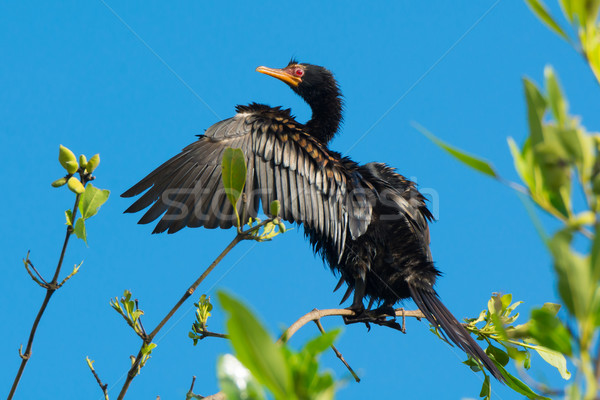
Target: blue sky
135,82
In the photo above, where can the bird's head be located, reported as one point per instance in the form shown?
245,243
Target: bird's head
307,80
317,86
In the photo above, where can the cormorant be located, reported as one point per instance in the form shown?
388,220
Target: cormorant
368,222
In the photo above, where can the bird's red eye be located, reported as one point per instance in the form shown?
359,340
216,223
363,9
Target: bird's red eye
299,72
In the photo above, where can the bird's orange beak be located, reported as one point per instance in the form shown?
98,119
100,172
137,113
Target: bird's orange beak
283,75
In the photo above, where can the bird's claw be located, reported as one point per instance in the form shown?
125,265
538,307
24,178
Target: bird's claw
379,316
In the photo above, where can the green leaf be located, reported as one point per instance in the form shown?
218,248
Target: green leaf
552,307
147,348
552,159
595,255
79,230
321,343
486,389
548,331
506,300
556,359
593,6
91,200
69,217
521,165
235,380
498,354
536,104
275,208
542,13
234,174
575,284
558,105
255,348
474,365
471,161
566,6
518,386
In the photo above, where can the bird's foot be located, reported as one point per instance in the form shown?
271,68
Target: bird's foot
360,315
383,316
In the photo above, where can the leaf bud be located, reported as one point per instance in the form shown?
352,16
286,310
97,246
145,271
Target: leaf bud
75,185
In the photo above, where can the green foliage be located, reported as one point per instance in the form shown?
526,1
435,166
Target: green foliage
255,348
582,15
59,182
203,309
130,312
285,373
234,179
67,159
91,201
467,159
93,163
236,381
75,185
90,198
539,8
233,169
558,158
264,231
79,230
495,326
146,352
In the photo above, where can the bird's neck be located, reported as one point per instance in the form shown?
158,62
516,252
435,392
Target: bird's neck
326,118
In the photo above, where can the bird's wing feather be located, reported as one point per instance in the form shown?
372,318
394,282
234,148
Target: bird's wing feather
314,186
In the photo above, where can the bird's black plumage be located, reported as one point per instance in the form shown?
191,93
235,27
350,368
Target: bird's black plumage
369,223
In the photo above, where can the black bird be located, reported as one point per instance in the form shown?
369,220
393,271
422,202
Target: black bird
368,222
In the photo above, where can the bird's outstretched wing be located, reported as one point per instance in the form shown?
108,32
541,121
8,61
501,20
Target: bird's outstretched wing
315,187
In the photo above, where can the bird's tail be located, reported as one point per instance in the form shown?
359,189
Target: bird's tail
439,316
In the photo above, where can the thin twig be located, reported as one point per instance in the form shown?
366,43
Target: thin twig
35,279
190,395
103,386
337,352
134,370
205,334
50,289
28,264
143,335
75,270
216,396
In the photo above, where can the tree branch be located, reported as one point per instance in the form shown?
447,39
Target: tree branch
103,386
137,363
316,314
337,353
50,289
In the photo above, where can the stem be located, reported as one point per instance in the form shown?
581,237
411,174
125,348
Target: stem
590,379
134,370
337,353
50,289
